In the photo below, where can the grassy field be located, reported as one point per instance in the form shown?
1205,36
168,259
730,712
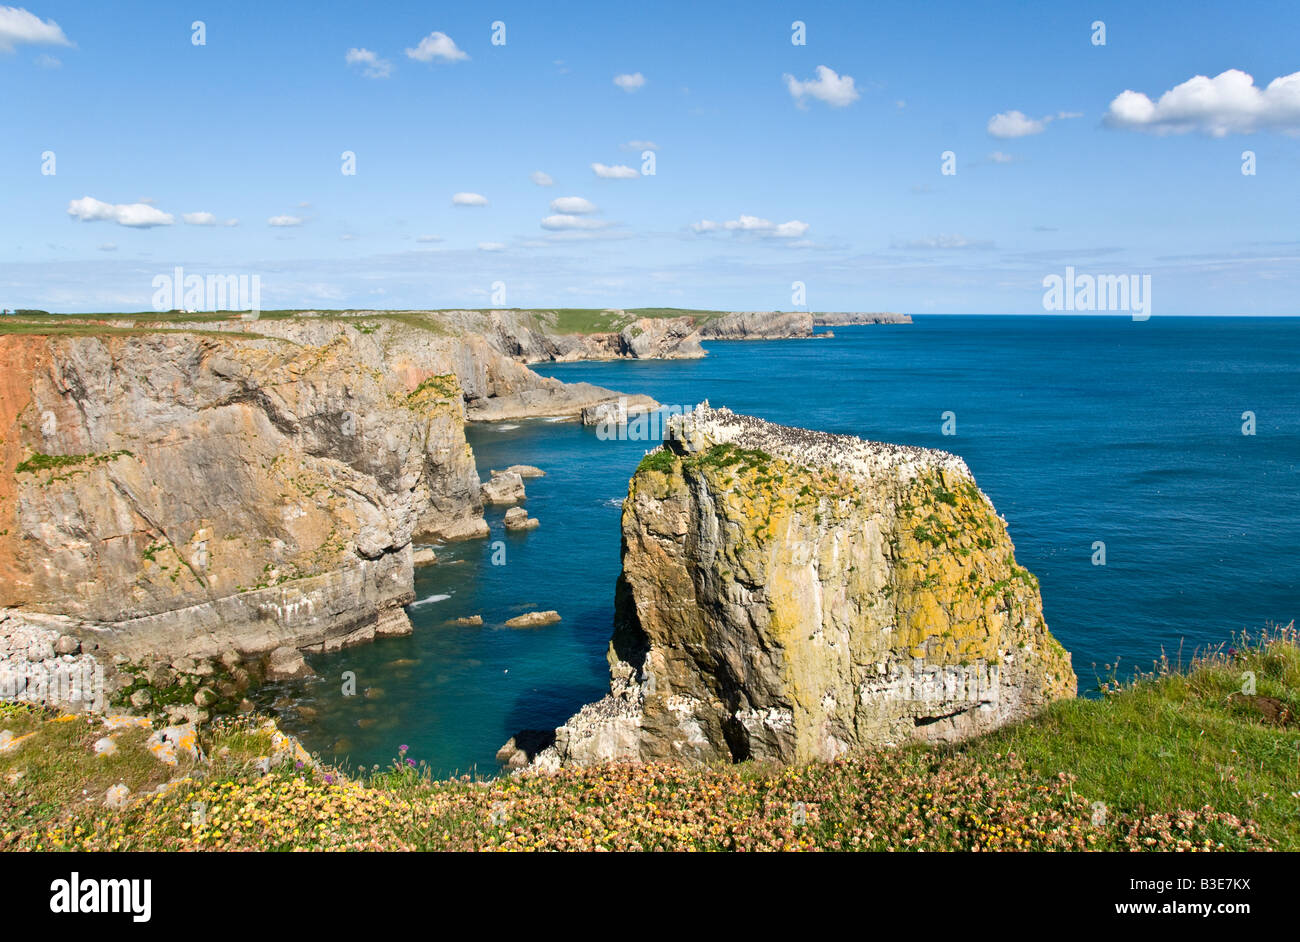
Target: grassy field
1177,759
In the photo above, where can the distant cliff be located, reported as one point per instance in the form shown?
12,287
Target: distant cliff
848,319
539,336
793,595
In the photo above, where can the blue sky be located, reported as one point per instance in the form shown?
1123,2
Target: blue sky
774,162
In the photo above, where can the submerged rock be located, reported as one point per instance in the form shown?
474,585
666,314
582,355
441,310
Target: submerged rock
526,471
791,595
533,619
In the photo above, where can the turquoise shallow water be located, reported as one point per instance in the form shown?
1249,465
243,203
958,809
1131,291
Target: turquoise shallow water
1079,429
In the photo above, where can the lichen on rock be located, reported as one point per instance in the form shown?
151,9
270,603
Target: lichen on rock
793,595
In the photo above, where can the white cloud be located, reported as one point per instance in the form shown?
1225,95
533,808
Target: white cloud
231,223
1017,124
569,221
542,179
1229,103
372,66
754,224
17,26
491,246
108,247
437,46
790,230
640,145
283,221
134,215
1014,124
629,82
836,90
200,219
468,199
428,238
617,172
572,204
998,157
47,61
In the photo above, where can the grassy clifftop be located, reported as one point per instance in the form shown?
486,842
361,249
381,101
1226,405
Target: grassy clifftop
550,320
1174,760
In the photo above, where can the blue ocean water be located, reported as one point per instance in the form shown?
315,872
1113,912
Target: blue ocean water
1080,429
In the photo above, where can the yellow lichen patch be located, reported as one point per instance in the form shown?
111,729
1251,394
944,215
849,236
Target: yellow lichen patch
955,578
434,393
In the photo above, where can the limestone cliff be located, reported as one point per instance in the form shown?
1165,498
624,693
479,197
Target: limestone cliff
759,325
853,318
792,595
241,485
198,484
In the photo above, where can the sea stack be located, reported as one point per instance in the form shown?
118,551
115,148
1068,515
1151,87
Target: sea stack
791,595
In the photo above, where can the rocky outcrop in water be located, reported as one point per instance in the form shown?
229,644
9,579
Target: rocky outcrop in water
793,595
517,519
504,487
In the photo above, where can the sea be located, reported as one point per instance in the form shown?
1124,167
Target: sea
1147,470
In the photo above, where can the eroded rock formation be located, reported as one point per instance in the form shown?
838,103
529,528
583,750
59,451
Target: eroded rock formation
792,595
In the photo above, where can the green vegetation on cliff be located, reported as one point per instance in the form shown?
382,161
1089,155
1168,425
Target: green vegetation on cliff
1173,760
551,320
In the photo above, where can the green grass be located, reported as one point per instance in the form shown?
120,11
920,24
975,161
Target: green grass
574,320
42,462
107,324
661,460
1179,738
1174,759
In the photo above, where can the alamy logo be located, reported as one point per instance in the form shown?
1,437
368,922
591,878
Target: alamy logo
76,895
193,293
1074,292
54,683
617,421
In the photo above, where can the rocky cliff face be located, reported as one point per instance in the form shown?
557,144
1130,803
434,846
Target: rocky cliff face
241,485
197,487
531,336
759,325
791,595
852,318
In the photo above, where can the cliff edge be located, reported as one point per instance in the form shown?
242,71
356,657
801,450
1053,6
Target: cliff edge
792,595
243,485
